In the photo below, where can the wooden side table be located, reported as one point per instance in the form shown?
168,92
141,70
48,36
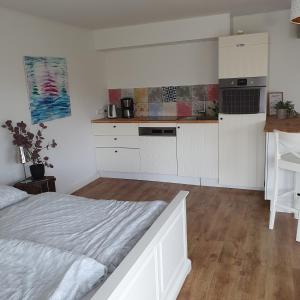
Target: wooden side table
34,187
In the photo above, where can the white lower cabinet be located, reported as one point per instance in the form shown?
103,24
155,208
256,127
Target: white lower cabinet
118,159
158,155
197,150
242,150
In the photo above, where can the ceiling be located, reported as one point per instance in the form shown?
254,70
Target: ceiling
96,14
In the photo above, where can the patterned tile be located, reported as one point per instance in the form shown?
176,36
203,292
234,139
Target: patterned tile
127,93
168,94
169,109
156,109
199,92
140,95
184,109
114,96
198,107
154,95
213,92
141,110
184,93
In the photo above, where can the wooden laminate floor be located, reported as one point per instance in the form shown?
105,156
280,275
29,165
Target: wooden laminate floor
234,254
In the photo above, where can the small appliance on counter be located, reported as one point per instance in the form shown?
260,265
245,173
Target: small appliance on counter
127,107
111,111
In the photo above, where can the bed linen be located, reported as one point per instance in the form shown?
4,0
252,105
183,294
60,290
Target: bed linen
10,195
105,230
35,272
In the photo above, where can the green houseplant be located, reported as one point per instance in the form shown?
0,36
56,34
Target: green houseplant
34,144
285,109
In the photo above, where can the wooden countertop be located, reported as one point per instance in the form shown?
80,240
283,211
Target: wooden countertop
287,125
155,120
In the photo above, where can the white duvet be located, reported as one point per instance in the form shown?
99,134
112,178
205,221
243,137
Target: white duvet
36,272
105,230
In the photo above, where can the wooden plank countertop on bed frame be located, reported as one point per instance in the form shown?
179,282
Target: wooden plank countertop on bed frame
155,269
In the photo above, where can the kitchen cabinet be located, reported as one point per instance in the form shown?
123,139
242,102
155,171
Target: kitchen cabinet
118,159
243,55
158,155
242,150
117,147
117,129
197,150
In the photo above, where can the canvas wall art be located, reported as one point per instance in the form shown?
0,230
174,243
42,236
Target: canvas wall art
47,82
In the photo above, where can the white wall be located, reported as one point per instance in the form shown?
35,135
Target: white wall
284,50
21,35
175,64
190,29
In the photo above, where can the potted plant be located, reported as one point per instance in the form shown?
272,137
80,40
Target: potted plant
285,109
34,145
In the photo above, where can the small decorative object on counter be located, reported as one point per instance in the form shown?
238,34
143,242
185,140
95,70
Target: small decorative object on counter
33,145
273,99
285,109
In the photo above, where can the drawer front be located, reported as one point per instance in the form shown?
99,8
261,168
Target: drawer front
117,141
118,159
115,129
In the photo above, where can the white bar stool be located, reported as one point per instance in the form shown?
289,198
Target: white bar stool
287,157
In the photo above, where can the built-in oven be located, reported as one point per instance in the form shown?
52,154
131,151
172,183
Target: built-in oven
243,95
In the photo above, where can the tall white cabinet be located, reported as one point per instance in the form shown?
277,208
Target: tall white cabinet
243,55
242,150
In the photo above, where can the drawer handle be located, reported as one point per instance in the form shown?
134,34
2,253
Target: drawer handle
115,139
240,45
178,127
115,126
116,151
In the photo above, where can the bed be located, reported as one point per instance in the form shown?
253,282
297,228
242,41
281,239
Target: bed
139,248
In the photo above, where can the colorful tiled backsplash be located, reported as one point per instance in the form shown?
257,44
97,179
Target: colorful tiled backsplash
170,100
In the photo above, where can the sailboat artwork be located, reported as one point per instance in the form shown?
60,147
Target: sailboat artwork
47,81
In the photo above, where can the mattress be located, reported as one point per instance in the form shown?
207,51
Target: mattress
105,230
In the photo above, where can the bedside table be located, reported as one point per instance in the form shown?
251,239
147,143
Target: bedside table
34,187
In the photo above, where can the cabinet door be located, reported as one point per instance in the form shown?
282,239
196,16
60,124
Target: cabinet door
243,56
197,150
242,150
115,129
118,159
158,155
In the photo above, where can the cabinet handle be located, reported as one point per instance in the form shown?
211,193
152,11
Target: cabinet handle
221,118
240,45
178,127
114,126
116,151
115,139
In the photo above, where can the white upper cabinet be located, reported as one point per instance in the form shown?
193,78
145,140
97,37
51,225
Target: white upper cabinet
243,55
197,150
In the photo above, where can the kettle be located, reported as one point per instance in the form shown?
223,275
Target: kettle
111,111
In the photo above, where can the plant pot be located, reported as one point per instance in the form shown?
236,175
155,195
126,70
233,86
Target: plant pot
282,113
37,171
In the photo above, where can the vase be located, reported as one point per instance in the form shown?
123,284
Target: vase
282,113
37,171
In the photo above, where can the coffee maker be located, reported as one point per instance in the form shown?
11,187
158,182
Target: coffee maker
127,107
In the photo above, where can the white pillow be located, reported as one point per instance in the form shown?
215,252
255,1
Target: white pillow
10,195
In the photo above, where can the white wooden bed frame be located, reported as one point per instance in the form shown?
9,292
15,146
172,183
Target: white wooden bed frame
155,269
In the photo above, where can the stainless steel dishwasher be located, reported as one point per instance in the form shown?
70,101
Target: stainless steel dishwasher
158,150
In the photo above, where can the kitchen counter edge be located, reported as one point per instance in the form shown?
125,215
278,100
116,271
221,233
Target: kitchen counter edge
291,125
141,120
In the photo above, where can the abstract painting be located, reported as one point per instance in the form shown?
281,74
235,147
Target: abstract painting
47,82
